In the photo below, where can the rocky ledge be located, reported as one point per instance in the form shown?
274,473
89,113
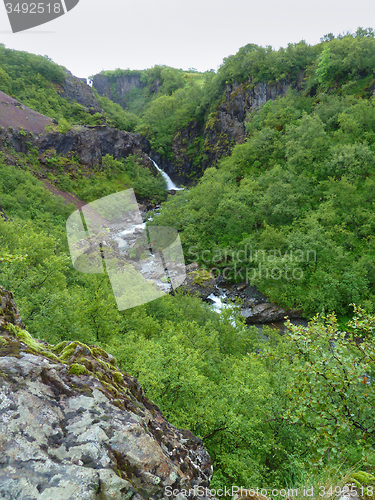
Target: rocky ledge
90,144
256,308
198,281
267,312
74,426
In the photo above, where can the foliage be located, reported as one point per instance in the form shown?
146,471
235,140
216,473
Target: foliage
345,62
169,99
38,83
112,176
117,175
330,386
264,64
7,258
167,114
296,200
64,126
290,210
116,116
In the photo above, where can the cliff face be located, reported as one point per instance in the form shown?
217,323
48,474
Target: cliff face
76,89
22,128
117,90
223,129
200,145
91,143
74,426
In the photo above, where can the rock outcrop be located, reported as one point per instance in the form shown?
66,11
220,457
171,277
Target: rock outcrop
9,314
256,308
223,129
117,89
22,128
73,426
198,281
76,89
90,144
267,312
2,213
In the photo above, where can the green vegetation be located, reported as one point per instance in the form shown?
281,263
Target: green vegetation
113,176
116,116
167,114
168,99
291,209
38,83
68,174
163,103
265,418
152,83
77,369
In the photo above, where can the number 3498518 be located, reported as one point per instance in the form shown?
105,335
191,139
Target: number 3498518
34,8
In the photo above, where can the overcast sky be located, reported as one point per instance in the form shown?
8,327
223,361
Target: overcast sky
137,34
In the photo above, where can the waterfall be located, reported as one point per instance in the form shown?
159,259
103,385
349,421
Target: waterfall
170,184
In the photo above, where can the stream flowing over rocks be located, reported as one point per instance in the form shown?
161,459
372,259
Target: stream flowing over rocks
256,308
73,426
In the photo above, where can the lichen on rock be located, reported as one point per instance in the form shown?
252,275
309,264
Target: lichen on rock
74,426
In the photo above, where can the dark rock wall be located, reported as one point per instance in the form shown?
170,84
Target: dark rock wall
223,129
77,90
117,90
92,143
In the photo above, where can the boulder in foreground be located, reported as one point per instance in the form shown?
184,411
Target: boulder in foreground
74,426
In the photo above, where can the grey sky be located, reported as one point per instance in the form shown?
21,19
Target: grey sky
138,34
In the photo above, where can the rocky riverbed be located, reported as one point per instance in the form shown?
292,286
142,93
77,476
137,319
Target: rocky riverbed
256,308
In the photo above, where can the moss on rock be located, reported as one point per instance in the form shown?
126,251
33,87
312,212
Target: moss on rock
71,348
118,377
25,337
80,358
201,276
77,369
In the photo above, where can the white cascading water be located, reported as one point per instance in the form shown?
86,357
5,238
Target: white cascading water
170,184
126,238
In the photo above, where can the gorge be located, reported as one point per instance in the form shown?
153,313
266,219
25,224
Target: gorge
276,152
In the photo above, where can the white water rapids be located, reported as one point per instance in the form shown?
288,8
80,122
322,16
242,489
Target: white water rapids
131,233
170,184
